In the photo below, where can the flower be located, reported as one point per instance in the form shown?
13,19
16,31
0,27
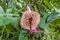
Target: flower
30,20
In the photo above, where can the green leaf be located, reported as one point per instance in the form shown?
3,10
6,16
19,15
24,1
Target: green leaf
52,28
9,28
23,36
43,23
8,11
56,22
1,21
53,16
6,21
46,2
1,10
15,22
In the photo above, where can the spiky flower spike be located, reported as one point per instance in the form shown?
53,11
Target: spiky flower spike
30,20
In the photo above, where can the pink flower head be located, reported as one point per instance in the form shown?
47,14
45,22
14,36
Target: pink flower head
26,17
30,20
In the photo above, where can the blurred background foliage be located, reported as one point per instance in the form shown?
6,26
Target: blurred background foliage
11,12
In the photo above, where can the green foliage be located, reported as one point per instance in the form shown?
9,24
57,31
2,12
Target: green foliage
53,16
43,23
23,35
11,12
